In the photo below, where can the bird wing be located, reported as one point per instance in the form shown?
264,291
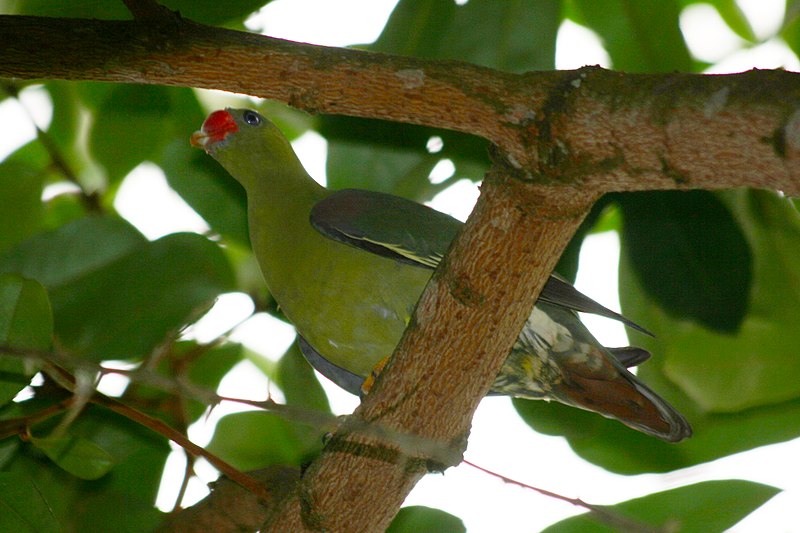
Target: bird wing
415,234
560,292
386,225
341,377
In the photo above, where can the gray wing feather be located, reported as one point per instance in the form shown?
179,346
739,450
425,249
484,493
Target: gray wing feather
341,377
417,235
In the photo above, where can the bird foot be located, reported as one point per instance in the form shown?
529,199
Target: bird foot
370,380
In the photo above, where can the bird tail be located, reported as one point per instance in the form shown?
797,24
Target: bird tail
557,358
616,393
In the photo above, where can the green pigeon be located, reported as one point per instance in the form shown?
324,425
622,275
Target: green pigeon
348,267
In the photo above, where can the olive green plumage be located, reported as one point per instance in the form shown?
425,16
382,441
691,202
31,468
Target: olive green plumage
347,269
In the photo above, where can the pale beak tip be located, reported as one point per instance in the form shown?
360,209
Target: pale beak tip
199,139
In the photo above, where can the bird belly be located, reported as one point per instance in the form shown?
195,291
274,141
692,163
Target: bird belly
357,315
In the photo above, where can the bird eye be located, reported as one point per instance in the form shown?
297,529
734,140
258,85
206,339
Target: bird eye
252,118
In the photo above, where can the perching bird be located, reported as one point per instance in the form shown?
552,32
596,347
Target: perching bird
348,267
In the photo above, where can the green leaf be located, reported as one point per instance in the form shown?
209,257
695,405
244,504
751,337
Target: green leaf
129,128
298,382
77,455
728,372
208,369
641,36
790,32
214,13
735,18
21,191
388,169
256,439
66,135
26,321
702,507
208,188
125,310
70,253
62,210
24,509
116,295
513,36
415,28
421,519
95,505
47,8
601,212
8,448
392,157
690,255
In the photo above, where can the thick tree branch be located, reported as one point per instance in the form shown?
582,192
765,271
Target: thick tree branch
606,130
230,508
494,272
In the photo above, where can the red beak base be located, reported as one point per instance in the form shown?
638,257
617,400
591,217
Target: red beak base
215,128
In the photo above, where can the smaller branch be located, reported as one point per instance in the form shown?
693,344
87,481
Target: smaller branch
178,438
91,200
80,398
616,521
231,509
188,472
325,421
180,387
148,10
20,425
179,368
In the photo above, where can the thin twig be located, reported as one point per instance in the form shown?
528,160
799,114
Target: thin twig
315,419
80,398
602,514
19,426
407,443
410,444
178,438
91,200
188,472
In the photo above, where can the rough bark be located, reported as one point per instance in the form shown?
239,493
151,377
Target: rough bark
565,138
606,130
493,274
230,508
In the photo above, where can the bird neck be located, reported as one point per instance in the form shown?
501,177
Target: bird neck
279,205
282,193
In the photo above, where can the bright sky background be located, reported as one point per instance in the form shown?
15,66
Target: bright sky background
499,440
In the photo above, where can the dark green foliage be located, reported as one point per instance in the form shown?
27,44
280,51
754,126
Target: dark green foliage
690,255
419,519
686,508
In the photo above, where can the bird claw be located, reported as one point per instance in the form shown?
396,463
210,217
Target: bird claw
369,382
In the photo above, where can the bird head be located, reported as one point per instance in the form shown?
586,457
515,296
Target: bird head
245,143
